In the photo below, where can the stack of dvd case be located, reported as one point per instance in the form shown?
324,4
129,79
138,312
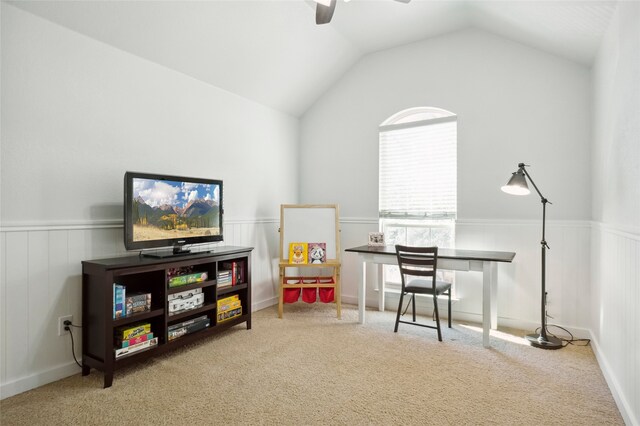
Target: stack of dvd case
189,326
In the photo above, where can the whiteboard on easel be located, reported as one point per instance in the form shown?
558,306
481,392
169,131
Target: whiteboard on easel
306,223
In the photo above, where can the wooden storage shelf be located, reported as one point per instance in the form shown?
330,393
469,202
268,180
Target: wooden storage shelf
150,275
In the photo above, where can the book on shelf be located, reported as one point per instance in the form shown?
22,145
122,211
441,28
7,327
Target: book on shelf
138,347
119,293
236,271
298,253
317,253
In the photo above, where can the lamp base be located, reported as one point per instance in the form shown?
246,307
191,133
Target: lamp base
545,343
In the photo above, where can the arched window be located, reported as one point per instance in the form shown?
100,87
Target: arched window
418,178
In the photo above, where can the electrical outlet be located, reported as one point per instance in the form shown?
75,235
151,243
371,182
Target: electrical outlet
61,320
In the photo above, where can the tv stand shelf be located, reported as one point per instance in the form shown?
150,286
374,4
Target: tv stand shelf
150,275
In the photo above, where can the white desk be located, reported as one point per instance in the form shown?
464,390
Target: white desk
451,259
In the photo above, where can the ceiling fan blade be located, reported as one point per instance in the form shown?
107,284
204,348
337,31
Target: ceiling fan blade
403,1
325,13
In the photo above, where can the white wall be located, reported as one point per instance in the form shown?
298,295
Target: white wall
75,107
76,114
615,271
514,104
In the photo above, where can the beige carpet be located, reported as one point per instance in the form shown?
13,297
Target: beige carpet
310,368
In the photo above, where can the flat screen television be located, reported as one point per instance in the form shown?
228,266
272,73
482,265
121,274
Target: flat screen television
171,211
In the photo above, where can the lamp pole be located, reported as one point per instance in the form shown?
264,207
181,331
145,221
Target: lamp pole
541,340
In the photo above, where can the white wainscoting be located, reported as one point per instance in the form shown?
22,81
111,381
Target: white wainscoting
615,313
41,280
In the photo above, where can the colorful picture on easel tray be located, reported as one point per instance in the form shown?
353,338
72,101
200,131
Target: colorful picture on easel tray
298,253
317,252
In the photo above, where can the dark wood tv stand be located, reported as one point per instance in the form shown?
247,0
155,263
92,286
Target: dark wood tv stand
149,275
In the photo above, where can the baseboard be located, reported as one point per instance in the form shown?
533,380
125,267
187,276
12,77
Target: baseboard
626,410
472,317
264,304
39,379
62,371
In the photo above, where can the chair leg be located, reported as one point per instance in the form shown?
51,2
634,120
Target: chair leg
413,306
449,308
435,309
395,330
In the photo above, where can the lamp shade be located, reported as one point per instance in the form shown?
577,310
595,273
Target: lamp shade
517,185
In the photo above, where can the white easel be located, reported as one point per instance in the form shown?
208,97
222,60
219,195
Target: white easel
310,223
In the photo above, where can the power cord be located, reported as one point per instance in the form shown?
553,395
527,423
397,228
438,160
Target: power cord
67,327
566,342
572,340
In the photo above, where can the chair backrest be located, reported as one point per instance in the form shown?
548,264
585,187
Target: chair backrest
417,261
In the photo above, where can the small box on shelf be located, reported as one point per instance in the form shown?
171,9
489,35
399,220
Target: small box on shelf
227,315
137,302
133,341
181,280
184,301
131,331
183,328
138,347
229,307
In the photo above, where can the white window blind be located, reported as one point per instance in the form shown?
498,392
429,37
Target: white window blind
418,169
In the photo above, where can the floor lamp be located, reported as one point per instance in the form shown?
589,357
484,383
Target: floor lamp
517,185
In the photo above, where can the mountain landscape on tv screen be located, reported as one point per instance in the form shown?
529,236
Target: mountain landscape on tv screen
198,217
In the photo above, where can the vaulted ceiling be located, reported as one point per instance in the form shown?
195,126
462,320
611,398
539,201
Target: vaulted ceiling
273,53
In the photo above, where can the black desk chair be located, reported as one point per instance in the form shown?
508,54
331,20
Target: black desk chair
421,262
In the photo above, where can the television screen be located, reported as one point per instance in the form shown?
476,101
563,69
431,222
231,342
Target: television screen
174,211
